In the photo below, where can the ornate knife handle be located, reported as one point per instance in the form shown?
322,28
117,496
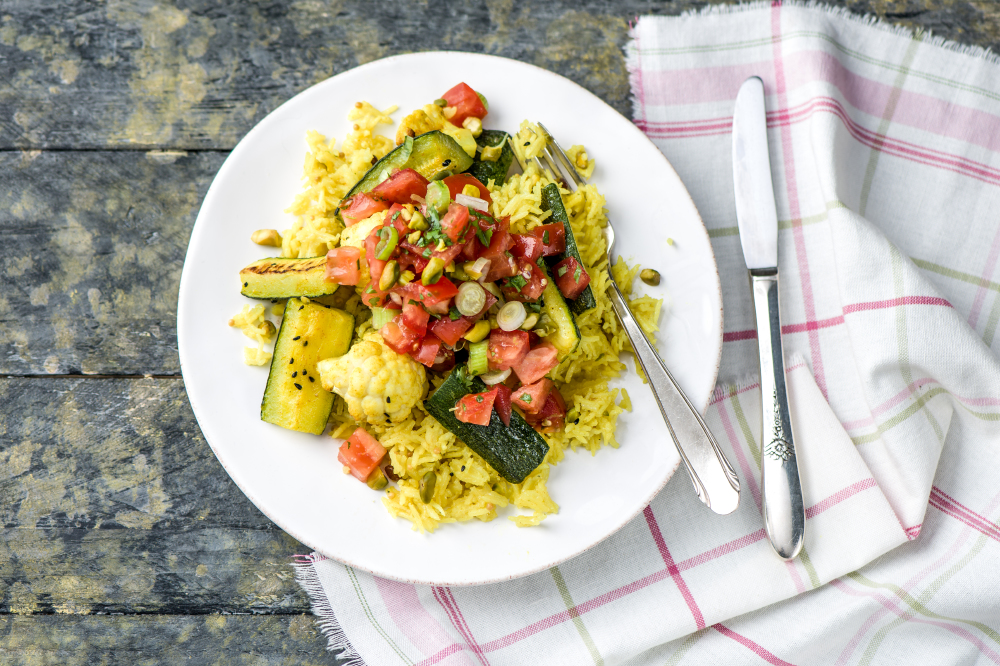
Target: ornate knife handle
784,514
713,477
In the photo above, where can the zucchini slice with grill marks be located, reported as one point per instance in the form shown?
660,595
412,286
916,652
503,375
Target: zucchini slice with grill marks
278,277
486,170
552,200
433,155
514,452
294,397
564,333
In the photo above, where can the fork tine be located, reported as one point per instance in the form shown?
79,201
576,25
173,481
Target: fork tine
553,149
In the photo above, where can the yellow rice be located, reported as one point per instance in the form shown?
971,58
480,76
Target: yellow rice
466,487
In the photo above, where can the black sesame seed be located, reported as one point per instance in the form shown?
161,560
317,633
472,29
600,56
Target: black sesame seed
311,379
290,361
296,337
301,307
305,344
295,374
446,163
298,386
577,422
388,399
305,372
463,468
245,283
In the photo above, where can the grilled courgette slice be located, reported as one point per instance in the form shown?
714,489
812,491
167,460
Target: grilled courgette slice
552,200
294,397
514,451
278,277
433,155
485,170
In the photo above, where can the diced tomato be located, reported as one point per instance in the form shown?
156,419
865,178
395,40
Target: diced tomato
375,265
360,207
553,237
455,221
476,407
401,186
466,103
506,348
531,398
570,277
552,416
396,220
502,262
502,267
372,297
537,363
399,337
423,254
427,295
451,330
460,180
444,361
502,403
416,318
526,246
343,265
362,453
429,348
527,285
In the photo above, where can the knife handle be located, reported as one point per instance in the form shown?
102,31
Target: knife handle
715,481
784,513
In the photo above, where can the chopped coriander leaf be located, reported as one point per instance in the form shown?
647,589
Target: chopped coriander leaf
454,314
427,253
525,397
576,274
545,237
562,270
479,398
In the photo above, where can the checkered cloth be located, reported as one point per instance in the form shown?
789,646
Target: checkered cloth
884,149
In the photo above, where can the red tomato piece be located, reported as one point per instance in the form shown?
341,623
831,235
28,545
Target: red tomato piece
526,247
416,318
423,254
457,182
399,337
343,265
476,408
428,351
362,453
427,295
503,266
527,285
455,221
372,297
466,103
552,416
531,398
401,186
451,330
537,363
506,348
361,207
444,361
570,277
553,238
502,403
375,265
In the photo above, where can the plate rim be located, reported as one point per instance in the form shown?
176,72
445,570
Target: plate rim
272,117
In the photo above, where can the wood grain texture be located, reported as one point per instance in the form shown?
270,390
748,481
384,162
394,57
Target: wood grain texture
112,502
94,244
141,640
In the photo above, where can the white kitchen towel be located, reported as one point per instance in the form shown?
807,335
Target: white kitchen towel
885,161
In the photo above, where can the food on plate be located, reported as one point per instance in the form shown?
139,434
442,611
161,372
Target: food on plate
459,335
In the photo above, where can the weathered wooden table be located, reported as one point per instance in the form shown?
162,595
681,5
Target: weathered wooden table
123,540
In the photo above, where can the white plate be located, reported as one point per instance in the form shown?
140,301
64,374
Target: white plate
295,478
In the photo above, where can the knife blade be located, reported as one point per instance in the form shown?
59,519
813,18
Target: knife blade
757,218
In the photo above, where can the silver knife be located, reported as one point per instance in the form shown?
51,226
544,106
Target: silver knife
784,514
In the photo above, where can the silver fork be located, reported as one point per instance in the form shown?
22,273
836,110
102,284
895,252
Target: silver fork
715,481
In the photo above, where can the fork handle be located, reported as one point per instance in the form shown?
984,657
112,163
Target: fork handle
715,481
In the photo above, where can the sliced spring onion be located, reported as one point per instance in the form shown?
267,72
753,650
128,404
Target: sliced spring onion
511,316
438,197
495,377
390,238
382,316
478,363
395,298
471,298
493,289
472,202
477,269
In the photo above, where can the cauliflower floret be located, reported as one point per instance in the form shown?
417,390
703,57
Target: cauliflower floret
375,381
